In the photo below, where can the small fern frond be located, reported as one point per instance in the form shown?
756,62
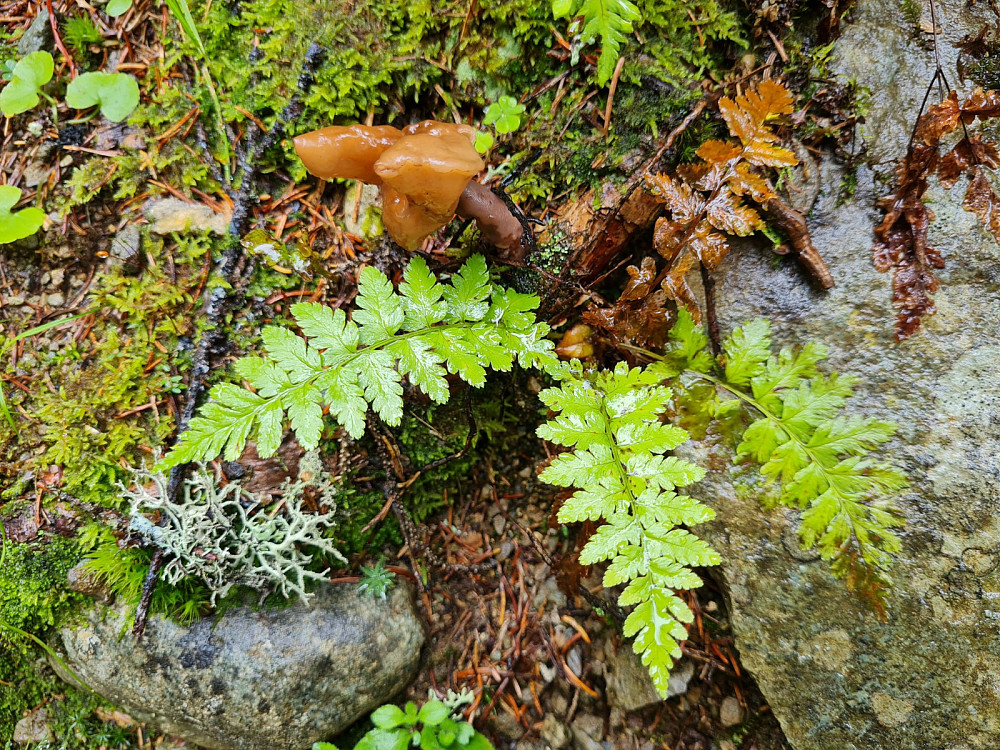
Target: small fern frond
819,458
611,421
423,331
610,20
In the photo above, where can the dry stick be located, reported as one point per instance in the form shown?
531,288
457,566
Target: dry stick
221,299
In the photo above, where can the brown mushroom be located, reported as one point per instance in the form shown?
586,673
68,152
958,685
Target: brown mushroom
406,222
425,171
346,153
430,170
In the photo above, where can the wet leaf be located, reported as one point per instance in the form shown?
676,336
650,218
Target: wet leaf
983,201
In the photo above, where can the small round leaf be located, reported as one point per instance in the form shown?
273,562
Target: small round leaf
29,75
116,93
116,8
17,226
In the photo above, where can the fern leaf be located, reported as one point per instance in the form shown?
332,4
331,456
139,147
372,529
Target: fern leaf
610,20
421,331
611,423
819,458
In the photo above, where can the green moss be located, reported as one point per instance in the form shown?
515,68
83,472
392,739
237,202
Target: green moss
33,582
33,597
90,413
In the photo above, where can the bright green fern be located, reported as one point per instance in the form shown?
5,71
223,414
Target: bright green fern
610,20
817,457
611,420
425,330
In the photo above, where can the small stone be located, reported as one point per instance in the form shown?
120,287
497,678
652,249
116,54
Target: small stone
57,276
499,524
38,37
630,687
33,728
574,660
55,300
168,215
730,712
558,703
587,732
15,300
555,733
84,581
36,173
726,745
133,141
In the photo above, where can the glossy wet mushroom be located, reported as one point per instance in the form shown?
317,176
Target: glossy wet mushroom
425,172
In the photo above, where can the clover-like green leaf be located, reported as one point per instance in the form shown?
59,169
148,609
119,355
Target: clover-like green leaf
17,225
504,114
116,8
29,75
116,93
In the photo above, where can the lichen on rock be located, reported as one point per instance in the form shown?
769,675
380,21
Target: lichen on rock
224,536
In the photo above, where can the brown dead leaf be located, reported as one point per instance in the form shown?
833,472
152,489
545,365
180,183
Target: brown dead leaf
983,201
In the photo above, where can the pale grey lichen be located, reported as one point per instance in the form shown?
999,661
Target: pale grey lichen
222,535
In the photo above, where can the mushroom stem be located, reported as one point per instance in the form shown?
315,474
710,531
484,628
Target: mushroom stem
497,224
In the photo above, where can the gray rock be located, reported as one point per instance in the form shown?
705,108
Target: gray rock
38,37
255,680
168,215
33,728
587,732
730,712
629,686
834,676
555,733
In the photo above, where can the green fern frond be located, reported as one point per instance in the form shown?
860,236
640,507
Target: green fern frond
610,20
424,331
818,458
611,420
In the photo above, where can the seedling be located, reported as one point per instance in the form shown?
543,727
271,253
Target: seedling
376,580
504,114
29,75
431,728
117,94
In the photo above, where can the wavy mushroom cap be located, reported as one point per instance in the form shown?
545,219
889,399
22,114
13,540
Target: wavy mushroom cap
406,222
435,128
346,153
430,170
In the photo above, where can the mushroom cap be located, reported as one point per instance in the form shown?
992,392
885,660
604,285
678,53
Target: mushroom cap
347,153
430,170
435,128
407,223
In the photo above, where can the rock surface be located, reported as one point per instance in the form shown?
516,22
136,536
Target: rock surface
168,215
255,680
33,728
38,37
835,677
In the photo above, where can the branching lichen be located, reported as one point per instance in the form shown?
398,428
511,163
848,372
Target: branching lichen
222,535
